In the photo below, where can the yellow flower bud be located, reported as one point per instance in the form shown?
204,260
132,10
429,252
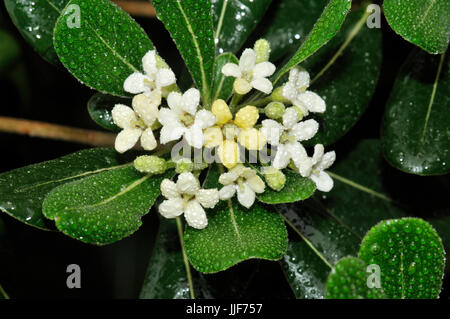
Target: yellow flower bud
213,136
241,86
262,50
252,139
274,178
229,153
221,110
246,117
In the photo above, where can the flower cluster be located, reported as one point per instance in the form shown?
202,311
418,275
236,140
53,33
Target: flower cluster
160,114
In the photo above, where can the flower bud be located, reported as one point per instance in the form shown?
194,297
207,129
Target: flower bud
275,178
275,110
241,86
262,50
277,95
150,164
246,117
184,165
222,112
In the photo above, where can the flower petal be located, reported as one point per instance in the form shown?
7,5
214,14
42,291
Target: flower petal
289,91
318,154
327,160
165,77
168,117
147,106
171,208
135,83
323,181
302,78
290,117
169,189
149,63
194,136
228,178
148,140
246,196
123,116
263,70
262,84
227,192
174,101
312,101
171,133
305,130
247,60
190,101
282,157
126,139
205,119
256,184
195,215
272,131
231,69
208,198
300,158
187,184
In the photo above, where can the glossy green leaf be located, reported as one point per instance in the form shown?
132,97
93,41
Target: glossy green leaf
23,190
415,134
222,87
344,73
234,234
100,107
9,50
106,47
36,20
410,255
234,20
296,188
103,208
348,280
190,25
425,23
3,294
325,28
284,26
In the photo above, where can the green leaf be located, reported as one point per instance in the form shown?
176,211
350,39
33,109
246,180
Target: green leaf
105,49
415,135
222,87
190,25
285,27
3,294
345,75
100,107
425,23
23,190
234,20
9,50
410,255
36,20
348,280
103,208
296,188
325,28
234,234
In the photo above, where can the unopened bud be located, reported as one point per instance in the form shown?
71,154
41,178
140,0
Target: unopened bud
184,165
274,110
150,164
275,178
262,50
241,86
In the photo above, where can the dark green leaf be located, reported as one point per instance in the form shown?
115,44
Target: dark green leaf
23,190
36,20
415,133
325,28
345,74
190,25
296,188
107,47
9,50
103,208
426,23
234,20
234,234
3,294
100,107
410,255
348,280
222,87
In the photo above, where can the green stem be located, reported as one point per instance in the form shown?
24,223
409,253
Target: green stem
3,293
185,259
234,101
260,102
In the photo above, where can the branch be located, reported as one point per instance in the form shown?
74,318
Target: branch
56,132
137,8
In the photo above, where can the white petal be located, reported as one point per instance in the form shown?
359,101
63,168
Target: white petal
231,69
293,75
135,83
256,184
327,160
165,77
195,215
246,196
227,192
304,166
126,139
263,70
194,136
205,119
312,101
208,198
149,63
169,189
262,84
171,133
323,181
318,153
290,91
228,178
123,116
290,117
305,130
168,117
171,208
247,60
300,158
147,107
148,140
187,184
190,101
302,79
282,157
272,131
174,100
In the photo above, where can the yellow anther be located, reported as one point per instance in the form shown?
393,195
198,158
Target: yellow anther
246,117
221,110
252,139
213,136
229,153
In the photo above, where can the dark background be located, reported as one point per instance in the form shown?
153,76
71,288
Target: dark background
33,262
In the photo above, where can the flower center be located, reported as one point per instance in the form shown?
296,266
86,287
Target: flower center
302,89
285,137
150,84
187,119
139,124
248,76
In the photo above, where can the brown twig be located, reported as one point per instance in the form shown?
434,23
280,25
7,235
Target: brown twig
57,132
137,8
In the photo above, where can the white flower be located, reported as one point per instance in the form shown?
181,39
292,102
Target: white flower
154,77
287,137
320,163
185,196
183,119
295,91
136,123
244,181
248,74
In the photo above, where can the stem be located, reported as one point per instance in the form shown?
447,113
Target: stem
185,259
3,293
56,132
234,101
260,102
137,8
